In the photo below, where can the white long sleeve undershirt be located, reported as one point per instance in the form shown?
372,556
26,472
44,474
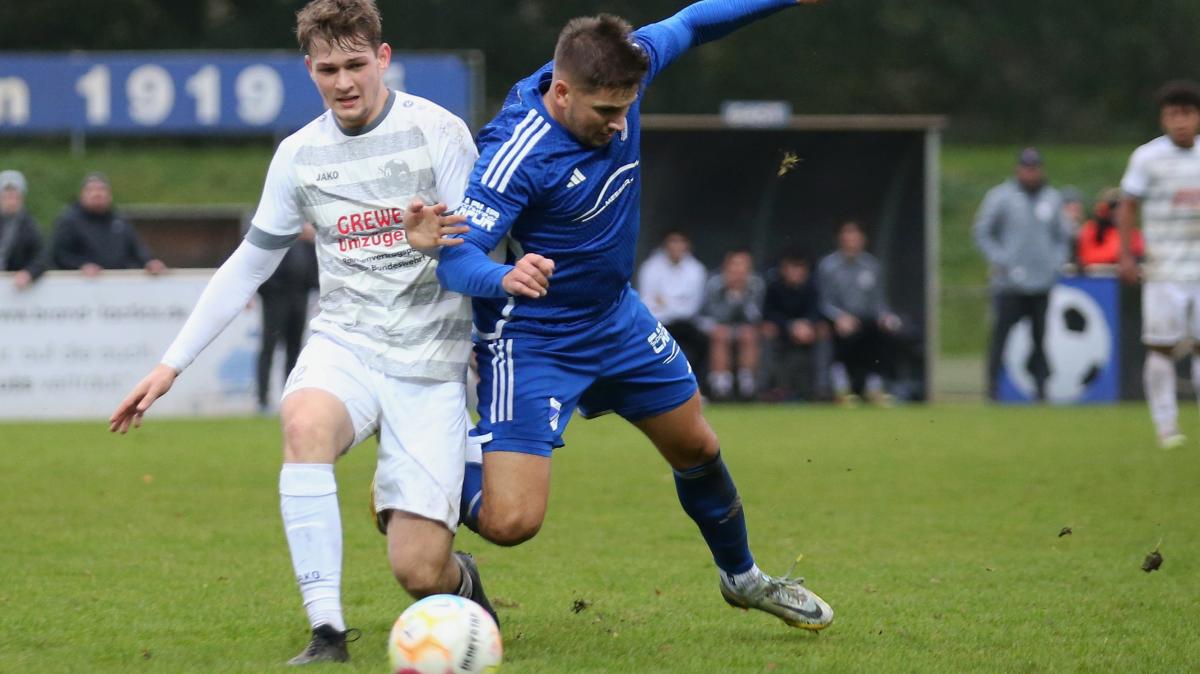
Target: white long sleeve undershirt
230,288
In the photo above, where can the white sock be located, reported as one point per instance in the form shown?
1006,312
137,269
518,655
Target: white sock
746,383
313,524
839,379
465,586
721,382
1158,377
873,384
744,582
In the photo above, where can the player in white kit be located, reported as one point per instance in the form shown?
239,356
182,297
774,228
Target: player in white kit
1163,178
389,349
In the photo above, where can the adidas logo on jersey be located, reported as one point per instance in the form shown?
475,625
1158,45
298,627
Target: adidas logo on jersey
576,178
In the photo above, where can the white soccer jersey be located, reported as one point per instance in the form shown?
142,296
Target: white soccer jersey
379,297
1166,178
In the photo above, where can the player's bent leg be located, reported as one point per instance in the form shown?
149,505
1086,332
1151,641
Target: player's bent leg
1158,377
708,495
419,554
419,551
316,429
682,435
516,489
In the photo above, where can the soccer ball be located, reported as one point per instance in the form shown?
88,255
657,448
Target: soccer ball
444,634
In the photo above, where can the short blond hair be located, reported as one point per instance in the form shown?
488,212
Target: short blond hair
349,24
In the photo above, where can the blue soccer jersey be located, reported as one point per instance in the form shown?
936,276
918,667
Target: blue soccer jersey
573,203
590,343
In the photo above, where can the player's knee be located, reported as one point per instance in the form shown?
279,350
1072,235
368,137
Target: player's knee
419,578
511,528
306,440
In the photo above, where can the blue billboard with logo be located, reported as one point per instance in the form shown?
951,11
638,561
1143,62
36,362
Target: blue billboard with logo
1082,346
200,92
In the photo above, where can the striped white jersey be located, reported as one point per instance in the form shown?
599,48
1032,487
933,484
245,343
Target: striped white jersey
379,297
1166,178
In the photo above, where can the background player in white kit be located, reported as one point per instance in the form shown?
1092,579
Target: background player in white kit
390,345
1164,179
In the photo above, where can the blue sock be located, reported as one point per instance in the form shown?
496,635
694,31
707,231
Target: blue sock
709,497
472,496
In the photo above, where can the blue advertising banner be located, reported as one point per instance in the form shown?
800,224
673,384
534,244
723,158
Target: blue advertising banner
196,92
1081,344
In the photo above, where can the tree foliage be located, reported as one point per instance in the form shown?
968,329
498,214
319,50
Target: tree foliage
1020,69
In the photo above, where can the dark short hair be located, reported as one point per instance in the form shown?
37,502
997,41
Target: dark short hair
674,232
794,256
852,222
1179,92
597,52
349,24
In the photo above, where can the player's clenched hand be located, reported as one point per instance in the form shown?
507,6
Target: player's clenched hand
149,389
428,227
530,276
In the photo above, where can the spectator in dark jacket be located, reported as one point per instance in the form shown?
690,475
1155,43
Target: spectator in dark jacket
90,236
20,242
285,308
791,327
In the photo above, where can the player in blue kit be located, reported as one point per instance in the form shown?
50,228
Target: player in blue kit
558,175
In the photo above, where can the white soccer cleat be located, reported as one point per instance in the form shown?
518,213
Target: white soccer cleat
785,598
1172,440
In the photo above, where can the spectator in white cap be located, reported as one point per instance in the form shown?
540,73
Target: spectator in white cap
20,241
90,236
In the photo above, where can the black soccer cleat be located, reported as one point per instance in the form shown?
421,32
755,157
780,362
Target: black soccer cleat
327,645
467,562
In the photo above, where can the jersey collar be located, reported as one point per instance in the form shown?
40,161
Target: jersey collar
387,107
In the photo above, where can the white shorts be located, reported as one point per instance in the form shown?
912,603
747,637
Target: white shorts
422,427
1170,312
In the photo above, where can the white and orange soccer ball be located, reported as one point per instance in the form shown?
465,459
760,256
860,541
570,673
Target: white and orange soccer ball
444,634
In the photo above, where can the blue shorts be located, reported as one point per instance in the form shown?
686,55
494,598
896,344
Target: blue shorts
529,386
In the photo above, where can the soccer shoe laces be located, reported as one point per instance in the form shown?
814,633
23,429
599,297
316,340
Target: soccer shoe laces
788,577
321,638
787,586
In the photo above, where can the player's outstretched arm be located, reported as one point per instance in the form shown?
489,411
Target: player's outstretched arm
150,388
702,22
428,228
230,288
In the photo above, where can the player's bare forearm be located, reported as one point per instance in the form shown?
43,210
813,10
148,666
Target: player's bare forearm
152,387
1126,221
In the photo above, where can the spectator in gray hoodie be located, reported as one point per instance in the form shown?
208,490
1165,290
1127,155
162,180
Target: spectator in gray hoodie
20,241
1024,235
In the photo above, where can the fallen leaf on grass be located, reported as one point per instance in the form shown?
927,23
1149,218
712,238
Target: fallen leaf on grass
1066,531
790,160
1152,562
580,605
501,602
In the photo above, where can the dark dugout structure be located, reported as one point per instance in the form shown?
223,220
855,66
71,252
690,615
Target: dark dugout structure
790,186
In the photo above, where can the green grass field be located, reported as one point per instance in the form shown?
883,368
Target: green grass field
933,531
